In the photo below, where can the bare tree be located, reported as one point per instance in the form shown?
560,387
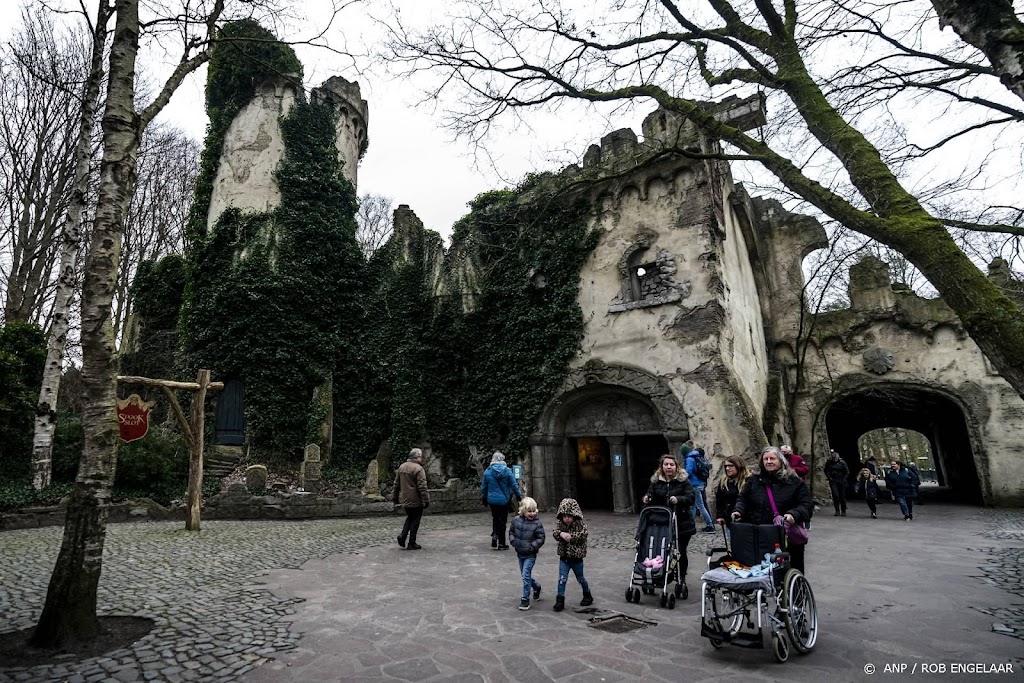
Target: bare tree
70,249
155,222
69,613
374,220
40,95
831,72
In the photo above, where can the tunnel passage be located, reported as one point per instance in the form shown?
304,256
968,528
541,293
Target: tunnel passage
937,417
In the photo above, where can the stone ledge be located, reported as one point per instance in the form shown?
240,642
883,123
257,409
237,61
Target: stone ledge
238,503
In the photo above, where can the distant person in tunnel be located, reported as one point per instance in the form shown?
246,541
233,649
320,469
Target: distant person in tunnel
899,481
866,483
838,474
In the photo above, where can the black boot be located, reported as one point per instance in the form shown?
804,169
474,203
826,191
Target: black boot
559,603
587,600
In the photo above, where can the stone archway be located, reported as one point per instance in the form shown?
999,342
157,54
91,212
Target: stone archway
941,417
611,402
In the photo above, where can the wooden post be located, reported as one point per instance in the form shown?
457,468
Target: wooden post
195,462
192,429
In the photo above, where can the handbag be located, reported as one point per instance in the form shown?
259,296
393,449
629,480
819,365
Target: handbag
796,533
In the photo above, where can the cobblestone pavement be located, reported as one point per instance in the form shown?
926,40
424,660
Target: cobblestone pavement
338,600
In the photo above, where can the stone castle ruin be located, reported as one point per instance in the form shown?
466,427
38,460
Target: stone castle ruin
695,329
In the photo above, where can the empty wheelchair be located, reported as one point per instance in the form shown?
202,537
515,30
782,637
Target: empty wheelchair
738,610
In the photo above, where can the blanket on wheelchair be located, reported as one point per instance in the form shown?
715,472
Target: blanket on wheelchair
721,576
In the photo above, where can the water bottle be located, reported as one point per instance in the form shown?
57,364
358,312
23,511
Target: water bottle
777,555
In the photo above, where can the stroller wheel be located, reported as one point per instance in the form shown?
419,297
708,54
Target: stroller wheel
629,595
679,590
686,592
671,601
716,643
636,595
664,601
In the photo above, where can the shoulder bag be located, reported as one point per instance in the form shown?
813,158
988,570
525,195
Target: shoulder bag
795,532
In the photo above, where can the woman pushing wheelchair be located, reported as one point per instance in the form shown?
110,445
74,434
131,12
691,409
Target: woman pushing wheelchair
777,491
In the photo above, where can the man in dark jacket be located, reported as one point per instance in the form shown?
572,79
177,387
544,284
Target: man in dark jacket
901,484
411,493
838,474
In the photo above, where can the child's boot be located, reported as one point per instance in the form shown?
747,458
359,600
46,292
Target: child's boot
587,600
559,603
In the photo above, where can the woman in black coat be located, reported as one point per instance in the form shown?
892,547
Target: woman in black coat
727,492
670,487
792,499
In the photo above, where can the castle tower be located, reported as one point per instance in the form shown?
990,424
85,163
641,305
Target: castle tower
254,144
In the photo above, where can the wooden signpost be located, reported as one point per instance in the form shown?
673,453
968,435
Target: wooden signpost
192,428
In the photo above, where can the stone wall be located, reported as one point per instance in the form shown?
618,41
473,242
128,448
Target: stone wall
238,503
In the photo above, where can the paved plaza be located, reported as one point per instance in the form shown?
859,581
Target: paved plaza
338,600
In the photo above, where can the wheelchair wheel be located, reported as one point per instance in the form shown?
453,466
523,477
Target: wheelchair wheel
723,603
801,617
780,648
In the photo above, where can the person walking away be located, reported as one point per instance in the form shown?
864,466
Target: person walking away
899,481
698,479
571,534
732,481
866,483
496,490
838,473
410,491
792,499
526,535
915,477
670,487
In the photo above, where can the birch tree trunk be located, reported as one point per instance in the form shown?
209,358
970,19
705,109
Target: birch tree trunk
69,613
70,610
46,407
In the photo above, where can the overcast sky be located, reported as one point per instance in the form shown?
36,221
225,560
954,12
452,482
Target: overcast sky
412,158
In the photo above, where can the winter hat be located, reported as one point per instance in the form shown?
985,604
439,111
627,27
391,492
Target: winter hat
497,457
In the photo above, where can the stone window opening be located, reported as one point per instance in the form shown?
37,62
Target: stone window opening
647,277
643,281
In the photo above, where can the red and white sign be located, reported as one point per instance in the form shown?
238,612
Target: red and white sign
133,417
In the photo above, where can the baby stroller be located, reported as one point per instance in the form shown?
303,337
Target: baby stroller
736,609
656,563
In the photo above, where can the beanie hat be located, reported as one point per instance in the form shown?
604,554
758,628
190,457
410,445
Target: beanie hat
497,457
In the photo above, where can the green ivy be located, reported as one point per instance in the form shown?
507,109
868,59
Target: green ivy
436,373
275,297
22,357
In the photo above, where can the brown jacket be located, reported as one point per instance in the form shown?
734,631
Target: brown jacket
411,486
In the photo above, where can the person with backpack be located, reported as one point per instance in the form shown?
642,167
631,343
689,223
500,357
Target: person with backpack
498,488
698,469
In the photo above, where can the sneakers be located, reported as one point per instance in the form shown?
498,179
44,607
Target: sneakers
843,513
536,592
709,529
502,547
401,541
494,541
836,513
414,546
874,516
906,519
524,604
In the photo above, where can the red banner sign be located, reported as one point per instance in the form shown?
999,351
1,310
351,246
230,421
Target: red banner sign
133,417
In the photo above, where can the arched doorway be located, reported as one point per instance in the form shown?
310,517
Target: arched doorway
599,440
938,417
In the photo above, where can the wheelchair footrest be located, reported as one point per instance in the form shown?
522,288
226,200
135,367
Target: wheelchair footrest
741,639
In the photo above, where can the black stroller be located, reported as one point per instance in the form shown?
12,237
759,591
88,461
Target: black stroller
656,564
